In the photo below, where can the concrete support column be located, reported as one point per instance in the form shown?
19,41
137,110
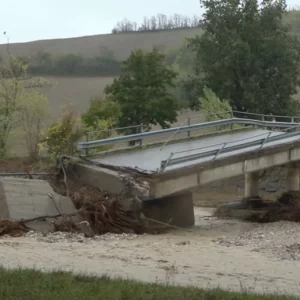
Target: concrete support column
251,184
177,210
293,178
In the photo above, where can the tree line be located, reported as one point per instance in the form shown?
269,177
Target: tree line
44,63
158,23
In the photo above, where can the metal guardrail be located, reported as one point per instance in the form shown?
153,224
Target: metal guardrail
170,161
182,129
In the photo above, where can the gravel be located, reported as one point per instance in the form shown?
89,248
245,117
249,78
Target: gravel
281,238
67,237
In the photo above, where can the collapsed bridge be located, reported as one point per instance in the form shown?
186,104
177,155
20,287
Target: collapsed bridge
165,173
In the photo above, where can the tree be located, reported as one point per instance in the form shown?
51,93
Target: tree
15,85
68,64
32,113
247,55
160,22
142,91
182,61
101,110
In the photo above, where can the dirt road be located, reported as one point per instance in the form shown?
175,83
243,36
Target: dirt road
206,256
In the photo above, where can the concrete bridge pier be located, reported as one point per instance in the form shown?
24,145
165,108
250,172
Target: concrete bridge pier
252,184
252,181
177,210
293,177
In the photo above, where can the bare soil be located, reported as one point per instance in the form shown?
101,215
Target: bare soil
22,165
13,165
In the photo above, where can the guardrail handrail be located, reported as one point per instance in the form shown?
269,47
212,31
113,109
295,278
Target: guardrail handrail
215,152
203,115
193,127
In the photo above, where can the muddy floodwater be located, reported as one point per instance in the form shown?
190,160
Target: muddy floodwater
226,253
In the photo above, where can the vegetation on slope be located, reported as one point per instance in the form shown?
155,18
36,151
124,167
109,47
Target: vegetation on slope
73,65
158,23
106,62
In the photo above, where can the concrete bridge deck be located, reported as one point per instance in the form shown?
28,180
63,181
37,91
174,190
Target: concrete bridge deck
149,159
186,175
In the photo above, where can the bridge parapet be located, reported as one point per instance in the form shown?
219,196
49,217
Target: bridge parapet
231,118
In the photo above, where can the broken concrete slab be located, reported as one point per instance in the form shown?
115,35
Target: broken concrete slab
29,198
130,190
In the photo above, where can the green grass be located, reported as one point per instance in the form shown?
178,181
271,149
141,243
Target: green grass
29,285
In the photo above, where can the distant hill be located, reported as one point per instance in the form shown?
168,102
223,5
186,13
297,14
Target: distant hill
78,88
120,44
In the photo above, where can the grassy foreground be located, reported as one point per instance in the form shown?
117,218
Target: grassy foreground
30,284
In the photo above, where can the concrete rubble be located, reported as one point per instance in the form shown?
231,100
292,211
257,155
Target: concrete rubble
132,189
23,199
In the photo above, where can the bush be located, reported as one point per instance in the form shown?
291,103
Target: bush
215,108
210,104
101,110
61,137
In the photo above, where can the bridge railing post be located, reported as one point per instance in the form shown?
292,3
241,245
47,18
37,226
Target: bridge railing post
141,131
263,119
231,116
87,140
189,124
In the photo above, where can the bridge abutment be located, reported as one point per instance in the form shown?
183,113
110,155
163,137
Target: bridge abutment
251,184
177,210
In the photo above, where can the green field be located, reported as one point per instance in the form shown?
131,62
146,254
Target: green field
34,285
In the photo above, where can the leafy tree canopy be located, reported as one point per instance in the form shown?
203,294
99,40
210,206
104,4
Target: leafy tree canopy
247,55
142,91
101,110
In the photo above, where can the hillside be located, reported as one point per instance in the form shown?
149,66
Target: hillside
80,89
75,90
119,44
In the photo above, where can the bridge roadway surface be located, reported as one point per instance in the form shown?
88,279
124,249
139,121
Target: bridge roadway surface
149,159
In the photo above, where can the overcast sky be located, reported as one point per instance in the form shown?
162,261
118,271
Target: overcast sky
28,20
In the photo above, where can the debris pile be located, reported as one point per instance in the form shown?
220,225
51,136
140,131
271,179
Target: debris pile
12,228
286,207
104,212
